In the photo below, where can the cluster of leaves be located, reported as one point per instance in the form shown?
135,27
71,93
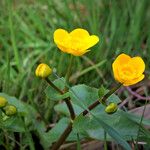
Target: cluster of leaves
120,126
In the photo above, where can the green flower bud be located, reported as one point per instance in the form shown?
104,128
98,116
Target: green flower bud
111,108
10,110
3,101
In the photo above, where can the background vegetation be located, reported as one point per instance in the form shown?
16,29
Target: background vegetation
26,39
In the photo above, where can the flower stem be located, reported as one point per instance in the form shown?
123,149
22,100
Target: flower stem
67,100
69,69
62,137
102,100
67,131
54,86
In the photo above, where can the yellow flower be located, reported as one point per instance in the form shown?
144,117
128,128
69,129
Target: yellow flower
76,42
3,101
111,108
10,110
43,70
127,70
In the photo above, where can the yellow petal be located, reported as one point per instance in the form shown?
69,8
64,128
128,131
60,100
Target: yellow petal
60,35
79,33
76,42
62,48
91,41
79,53
134,81
138,64
122,59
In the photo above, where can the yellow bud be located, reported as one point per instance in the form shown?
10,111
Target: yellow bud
10,110
3,101
111,108
43,70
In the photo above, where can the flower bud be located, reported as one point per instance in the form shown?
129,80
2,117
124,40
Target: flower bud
3,101
43,70
10,110
111,108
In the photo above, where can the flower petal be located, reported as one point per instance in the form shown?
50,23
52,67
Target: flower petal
80,53
79,33
91,41
138,65
119,61
115,67
60,35
134,81
122,59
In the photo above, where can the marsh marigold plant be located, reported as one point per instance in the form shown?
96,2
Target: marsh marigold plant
127,70
76,42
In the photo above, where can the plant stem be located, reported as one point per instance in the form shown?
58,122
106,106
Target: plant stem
102,100
67,100
54,86
69,69
105,142
137,95
62,137
92,106
70,107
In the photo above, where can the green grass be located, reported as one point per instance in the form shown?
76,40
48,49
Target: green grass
26,40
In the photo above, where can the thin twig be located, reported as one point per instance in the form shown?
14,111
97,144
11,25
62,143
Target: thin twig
137,95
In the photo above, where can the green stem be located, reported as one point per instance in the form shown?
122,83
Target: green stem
54,86
105,142
67,100
140,125
69,69
67,131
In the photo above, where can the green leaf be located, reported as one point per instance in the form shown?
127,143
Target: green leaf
114,134
53,134
95,127
14,124
134,118
102,91
82,94
52,94
126,127
62,109
21,107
